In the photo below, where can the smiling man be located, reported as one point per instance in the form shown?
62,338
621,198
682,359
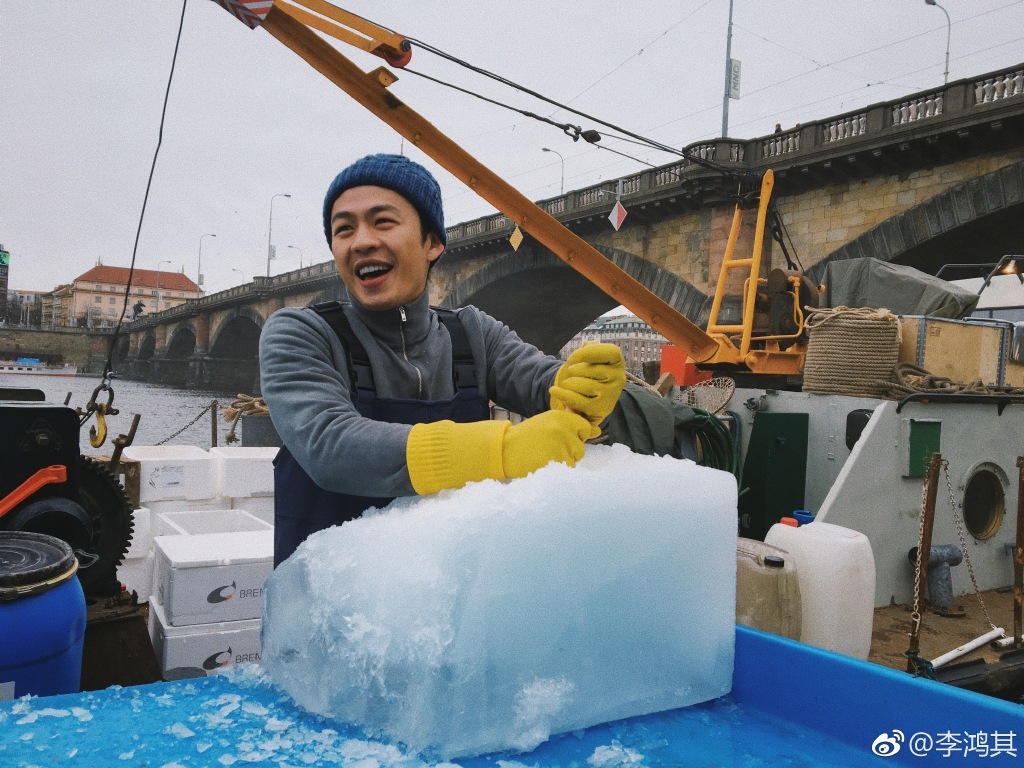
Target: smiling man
383,395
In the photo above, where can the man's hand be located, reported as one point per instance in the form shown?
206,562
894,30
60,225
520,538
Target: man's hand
549,436
446,454
589,383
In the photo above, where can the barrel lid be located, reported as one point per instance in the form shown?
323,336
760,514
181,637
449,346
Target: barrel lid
30,558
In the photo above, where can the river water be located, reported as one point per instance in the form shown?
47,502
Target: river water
163,410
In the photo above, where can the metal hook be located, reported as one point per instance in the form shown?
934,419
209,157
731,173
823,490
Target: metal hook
103,387
98,432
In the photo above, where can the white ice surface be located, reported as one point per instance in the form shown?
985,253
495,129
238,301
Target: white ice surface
492,617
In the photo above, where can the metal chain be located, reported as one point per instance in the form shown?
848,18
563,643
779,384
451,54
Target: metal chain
958,519
197,418
915,615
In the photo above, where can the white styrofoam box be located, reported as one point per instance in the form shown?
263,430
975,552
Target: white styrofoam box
194,523
198,505
245,471
157,508
206,647
260,506
136,573
173,472
212,577
142,535
186,505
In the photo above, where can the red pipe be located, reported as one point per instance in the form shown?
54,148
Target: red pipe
57,473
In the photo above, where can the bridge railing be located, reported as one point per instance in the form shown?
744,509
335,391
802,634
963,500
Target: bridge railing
312,272
241,293
942,107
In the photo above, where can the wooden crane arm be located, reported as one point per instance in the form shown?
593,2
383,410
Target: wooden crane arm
370,90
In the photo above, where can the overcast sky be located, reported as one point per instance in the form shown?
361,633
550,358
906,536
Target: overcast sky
82,87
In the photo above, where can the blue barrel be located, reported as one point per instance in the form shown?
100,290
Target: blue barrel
42,616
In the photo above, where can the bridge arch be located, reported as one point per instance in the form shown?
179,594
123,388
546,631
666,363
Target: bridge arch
148,345
562,302
182,343
238,335
122,350
973,222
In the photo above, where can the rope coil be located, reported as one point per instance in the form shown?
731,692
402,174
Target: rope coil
851,351
909,379
243,405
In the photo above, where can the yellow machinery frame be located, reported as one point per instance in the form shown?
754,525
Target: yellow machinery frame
735,342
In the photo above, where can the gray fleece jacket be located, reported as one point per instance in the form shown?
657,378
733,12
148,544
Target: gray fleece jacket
305,382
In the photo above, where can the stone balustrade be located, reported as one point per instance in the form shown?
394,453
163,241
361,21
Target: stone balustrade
1003,85
876,125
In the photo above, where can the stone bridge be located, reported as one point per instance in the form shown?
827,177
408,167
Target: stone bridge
933,178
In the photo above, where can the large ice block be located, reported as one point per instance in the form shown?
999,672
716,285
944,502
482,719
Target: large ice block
497,615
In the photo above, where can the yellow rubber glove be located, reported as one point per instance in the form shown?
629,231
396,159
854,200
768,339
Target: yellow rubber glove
446,454
590,382
549,436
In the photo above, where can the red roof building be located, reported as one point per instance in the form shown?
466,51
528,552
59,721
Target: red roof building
97,298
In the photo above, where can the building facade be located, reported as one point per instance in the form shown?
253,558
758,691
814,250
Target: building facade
638,341
96,298
23,308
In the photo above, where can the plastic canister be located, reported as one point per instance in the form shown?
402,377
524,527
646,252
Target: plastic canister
42,616
803,517
836,571
767,590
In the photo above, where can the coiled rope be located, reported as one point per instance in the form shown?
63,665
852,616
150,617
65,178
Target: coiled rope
851,351
243,405
909,379
653,425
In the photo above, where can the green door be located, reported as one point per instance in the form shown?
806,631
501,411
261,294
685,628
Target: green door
774,472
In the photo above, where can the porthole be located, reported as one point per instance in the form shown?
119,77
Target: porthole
984,504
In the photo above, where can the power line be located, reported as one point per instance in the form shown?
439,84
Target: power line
638,53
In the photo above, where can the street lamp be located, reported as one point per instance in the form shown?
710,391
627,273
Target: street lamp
199,266
945,75
240,273
165,261
270,229
561,188
300,253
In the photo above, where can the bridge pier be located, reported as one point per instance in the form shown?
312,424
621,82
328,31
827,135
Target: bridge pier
171,372
133,369
224,375
197,372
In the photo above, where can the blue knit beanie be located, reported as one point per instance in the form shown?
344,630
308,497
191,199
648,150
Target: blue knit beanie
399,174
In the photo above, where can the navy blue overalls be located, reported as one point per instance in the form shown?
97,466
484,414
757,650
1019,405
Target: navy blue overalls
301,507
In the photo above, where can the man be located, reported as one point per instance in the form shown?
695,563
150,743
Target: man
401,405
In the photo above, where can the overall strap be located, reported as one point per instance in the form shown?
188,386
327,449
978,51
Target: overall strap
358,361
463,366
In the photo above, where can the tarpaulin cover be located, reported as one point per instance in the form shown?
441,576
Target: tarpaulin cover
900,289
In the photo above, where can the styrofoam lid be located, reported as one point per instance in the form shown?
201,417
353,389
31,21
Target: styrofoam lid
206,549
194,522
165,452
241,452
212,628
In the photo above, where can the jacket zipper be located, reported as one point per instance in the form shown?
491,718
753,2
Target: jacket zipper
401,331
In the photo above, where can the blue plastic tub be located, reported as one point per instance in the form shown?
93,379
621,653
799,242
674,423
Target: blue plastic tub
791,705
42,616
